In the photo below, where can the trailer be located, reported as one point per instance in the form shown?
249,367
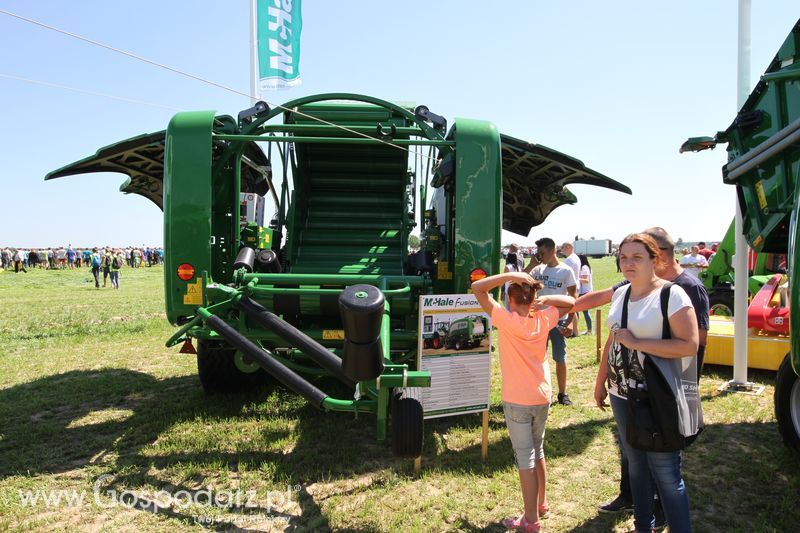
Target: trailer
593,247
328,288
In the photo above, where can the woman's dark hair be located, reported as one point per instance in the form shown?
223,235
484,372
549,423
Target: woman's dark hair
584,261
524,294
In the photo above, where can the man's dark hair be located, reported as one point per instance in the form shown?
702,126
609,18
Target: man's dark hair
701,243
547,242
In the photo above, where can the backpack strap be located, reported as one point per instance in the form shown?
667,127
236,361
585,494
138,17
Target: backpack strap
623,325
666,331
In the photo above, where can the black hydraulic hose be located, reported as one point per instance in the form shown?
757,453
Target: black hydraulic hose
295,337
286,376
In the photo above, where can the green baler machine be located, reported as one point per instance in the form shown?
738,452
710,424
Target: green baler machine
328,288
764,165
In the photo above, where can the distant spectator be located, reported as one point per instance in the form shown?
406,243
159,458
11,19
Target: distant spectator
571,260
33,258
96,262
70,257
87,257
705,252
714,248
694,263
19,260
61,258
108,258
51,259
586,287
514,263
117,260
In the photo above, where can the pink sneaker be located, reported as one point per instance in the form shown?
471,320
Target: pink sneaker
544,510
521,524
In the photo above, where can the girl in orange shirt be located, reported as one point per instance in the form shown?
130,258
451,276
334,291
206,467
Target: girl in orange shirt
526,391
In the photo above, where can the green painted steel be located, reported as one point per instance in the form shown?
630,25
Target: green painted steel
187,208
477,200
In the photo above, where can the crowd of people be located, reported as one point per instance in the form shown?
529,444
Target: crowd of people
101,261
61,258
659,316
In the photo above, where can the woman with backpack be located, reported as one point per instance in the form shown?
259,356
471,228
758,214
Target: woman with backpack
637,333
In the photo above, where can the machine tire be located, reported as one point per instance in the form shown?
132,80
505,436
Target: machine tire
720,303
437,342
426,344
458,344
218,372
787,404
407,422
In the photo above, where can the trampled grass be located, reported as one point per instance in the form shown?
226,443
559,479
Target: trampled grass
90,397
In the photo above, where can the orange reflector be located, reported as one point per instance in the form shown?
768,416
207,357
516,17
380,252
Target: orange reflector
477,274
186,272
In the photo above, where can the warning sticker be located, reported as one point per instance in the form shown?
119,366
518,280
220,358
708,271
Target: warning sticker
194,293
333,334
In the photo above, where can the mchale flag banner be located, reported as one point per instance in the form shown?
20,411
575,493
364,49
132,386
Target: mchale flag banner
278,24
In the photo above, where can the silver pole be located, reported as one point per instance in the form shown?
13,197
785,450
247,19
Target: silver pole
742,251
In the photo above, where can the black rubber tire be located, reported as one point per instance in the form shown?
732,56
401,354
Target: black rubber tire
426,344
437,341
720,302
218,372
787,404
458,345
407,422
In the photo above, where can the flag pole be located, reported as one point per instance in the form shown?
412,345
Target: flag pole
253,53
740,293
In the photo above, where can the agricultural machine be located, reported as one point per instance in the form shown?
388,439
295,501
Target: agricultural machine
327,286
718,277
764,165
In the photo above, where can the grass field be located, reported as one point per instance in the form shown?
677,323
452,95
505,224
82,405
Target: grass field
90,397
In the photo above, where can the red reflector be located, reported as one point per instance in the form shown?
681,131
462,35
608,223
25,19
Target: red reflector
186,272
187,347
477,274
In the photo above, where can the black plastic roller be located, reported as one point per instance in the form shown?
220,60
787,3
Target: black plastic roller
245,258
361,307
268,260
362,362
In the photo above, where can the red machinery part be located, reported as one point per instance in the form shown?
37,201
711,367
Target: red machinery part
763,314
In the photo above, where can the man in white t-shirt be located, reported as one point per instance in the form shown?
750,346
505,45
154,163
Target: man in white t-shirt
557,278
694,263
572,260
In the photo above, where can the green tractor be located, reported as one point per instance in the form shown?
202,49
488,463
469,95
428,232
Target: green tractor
764,165
327,286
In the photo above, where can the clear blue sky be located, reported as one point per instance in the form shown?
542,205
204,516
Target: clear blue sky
618,85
